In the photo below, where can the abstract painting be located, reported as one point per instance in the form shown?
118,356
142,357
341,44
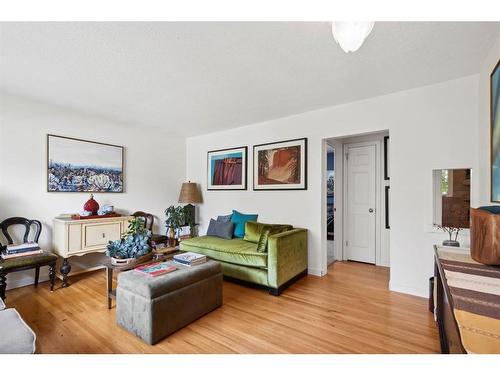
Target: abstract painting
227,169
495,133
75,165
280,165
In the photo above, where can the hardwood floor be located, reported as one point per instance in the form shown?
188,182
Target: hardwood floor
348,311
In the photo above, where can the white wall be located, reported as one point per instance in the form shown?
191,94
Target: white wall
154,166
484,123
430,127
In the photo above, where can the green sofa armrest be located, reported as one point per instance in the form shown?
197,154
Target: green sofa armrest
287,256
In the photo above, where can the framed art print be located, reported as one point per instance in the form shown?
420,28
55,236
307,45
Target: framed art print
75,165
280,165
227,169
495,132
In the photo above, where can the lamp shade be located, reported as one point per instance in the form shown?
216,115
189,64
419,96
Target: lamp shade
189,193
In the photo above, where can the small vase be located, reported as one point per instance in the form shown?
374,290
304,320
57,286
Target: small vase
451,243
91,205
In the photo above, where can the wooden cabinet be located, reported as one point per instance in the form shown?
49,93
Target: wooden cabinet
81,237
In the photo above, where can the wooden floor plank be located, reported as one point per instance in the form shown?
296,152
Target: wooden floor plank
348,311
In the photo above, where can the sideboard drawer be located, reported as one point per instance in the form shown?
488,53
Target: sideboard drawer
100,234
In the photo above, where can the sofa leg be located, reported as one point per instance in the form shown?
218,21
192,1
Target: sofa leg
277,291
274,291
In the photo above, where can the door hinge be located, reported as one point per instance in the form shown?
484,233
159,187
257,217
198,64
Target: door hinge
346,156
347,243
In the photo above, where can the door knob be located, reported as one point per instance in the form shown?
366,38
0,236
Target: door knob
370,210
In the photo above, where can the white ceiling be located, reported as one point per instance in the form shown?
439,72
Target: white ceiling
195,78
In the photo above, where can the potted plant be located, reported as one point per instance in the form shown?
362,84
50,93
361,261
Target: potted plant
134,245
175,220
451,231
188,215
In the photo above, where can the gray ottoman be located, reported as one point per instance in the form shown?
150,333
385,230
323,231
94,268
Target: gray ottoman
154,307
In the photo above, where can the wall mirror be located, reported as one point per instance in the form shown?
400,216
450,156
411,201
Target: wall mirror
452,197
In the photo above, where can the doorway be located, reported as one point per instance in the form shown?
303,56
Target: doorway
359,193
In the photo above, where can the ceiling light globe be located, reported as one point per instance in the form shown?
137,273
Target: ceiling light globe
351,35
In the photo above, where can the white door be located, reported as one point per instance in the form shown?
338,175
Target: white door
361,199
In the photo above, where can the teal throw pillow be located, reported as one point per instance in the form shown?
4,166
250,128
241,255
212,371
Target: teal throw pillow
239,220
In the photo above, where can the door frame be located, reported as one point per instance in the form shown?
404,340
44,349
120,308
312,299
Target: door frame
378,200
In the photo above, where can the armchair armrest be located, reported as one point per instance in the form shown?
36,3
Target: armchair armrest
287,256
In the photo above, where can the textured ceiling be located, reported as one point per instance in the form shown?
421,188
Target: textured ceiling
195,78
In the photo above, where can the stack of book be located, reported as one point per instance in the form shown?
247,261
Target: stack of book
190,259
21,250
155,269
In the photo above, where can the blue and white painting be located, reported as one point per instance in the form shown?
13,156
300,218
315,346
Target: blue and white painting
495,134
76,165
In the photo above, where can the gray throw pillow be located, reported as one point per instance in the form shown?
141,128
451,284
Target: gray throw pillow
220,229
224,218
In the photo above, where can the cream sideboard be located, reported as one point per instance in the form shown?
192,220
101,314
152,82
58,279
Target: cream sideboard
81,237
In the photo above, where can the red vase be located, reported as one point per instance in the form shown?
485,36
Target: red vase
91,205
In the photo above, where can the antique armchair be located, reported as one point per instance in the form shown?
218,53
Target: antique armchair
26,262
149,220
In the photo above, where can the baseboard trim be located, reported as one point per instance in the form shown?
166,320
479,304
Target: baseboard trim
315,272
409,289
26,277
23,281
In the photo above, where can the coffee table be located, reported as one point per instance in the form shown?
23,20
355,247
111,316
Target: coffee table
111,268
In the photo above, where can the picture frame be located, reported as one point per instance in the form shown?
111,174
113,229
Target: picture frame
227,169
81,166
280,165
387,222
495,134
386,158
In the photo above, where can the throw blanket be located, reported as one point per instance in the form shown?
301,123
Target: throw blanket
475,293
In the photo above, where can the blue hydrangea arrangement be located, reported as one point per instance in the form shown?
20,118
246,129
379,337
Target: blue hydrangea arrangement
133,244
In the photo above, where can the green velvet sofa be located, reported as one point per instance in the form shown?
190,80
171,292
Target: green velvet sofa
281,262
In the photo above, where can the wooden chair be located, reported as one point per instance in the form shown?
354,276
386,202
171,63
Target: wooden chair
27,262
149,220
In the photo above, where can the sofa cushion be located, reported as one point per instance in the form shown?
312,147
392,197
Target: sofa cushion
253,230
224,218
26,261
239,221
220,229
262,244
236,251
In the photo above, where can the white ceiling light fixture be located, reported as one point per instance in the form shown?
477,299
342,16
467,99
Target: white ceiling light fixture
351,35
